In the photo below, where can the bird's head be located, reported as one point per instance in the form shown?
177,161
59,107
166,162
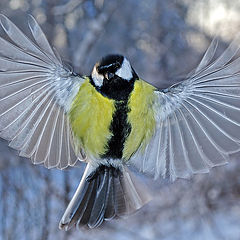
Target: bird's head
114,77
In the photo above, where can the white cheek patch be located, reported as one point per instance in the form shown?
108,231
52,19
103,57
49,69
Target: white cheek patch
125,72
97,78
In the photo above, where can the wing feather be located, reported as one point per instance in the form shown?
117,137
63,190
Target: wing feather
36,90
14,107
33,136
208,56
8,50
43,140
63,164
12,121
40,37
183,126
178,167
198,120
22,41
162,150
50,161
196,152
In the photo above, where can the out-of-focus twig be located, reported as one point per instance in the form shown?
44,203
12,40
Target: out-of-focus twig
95,29
66,8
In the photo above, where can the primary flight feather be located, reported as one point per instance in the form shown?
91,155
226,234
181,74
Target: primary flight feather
112,119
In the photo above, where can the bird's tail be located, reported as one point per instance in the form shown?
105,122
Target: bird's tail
103,193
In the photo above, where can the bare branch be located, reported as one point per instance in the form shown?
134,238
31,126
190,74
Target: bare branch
66,8
95,29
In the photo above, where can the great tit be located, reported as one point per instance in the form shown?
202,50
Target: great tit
112,119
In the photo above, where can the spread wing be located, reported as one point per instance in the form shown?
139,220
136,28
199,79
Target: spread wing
35,93
198,120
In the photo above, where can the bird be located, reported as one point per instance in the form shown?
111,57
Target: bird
113,119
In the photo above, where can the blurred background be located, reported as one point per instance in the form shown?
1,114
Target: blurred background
164,40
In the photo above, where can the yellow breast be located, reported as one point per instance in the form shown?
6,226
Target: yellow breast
91,115
90,118
141,118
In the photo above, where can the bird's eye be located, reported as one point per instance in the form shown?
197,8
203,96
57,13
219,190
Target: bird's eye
117,65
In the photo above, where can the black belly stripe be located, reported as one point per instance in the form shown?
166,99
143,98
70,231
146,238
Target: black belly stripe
120,128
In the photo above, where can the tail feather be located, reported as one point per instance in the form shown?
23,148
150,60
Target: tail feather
83,219
135,194
83,204
103,194
120,201
110,211
76,207
98,210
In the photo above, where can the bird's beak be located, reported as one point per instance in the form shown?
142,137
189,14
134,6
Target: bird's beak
109,75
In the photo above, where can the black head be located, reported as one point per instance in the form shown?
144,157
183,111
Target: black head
114,77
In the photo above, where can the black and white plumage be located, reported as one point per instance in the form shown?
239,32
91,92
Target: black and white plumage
175,132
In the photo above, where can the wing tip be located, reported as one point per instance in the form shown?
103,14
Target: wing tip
4,21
